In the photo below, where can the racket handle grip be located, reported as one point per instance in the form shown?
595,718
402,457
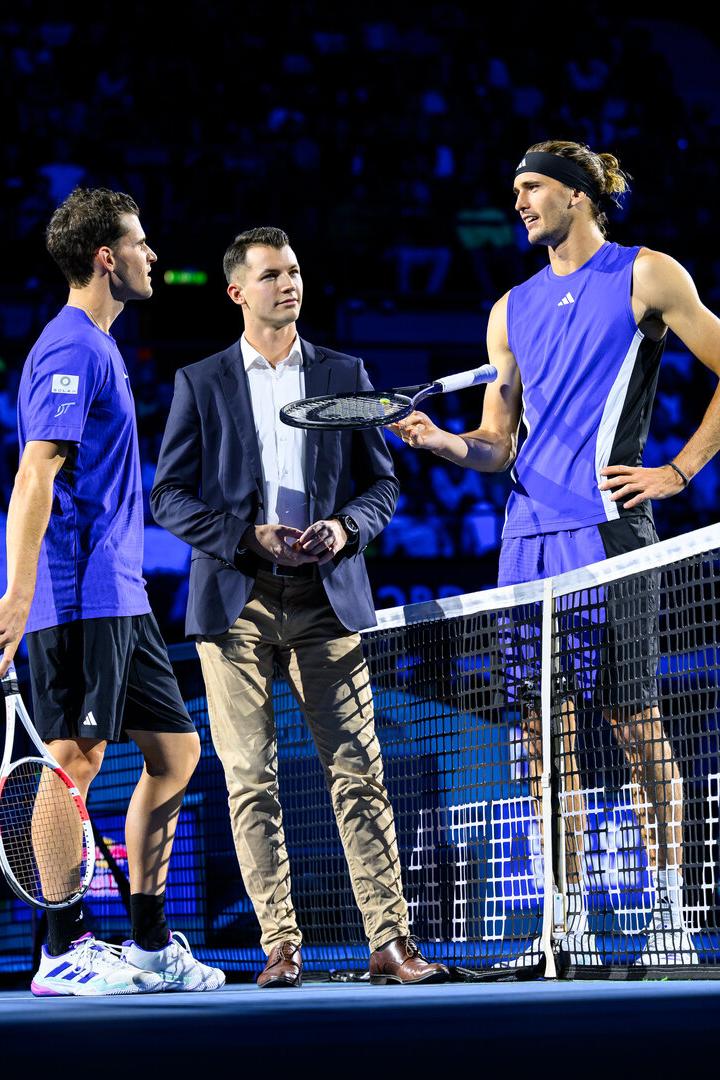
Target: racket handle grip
10,682
485,374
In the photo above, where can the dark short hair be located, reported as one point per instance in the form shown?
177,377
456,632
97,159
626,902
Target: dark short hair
263,236
87,220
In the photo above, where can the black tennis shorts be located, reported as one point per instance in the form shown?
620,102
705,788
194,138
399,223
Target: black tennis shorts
100,678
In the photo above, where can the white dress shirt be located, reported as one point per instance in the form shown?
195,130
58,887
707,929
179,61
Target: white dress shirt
282,448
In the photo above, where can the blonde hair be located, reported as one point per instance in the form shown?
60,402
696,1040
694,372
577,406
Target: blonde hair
603,169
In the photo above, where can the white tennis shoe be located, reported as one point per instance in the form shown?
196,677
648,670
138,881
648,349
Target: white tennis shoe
582,948
667,941
175,965
91,968
668,948
578,941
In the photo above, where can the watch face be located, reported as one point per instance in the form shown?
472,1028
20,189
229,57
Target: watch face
350,526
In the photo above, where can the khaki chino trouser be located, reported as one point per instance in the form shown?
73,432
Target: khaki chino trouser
291,620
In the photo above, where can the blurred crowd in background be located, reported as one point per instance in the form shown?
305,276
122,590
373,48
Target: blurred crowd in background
384,142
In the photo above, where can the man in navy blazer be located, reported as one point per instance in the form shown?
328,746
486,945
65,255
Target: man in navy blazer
278,519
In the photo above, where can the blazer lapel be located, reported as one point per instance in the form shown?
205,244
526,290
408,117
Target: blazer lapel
318,377
235,387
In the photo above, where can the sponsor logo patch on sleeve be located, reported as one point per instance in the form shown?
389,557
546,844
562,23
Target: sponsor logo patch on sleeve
65,384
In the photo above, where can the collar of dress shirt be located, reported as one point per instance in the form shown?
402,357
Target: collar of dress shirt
251,357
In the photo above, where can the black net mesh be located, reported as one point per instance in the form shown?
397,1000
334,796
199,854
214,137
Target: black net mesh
635,718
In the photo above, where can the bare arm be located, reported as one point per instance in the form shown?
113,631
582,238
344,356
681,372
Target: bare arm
492,446
665,292
27,522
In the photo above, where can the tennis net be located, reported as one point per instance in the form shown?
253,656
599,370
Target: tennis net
551,751
635,679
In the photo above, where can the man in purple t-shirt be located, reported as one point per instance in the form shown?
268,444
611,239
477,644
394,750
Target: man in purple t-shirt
577,348
98,666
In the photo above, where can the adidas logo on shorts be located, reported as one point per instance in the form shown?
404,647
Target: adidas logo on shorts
90,720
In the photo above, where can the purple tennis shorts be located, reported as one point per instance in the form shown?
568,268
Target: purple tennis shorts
606,637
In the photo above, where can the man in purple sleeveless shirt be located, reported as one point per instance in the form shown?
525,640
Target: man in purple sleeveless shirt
577,348
98,667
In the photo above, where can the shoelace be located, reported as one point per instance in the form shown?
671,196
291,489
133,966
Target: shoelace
413,949
285,951
177,935
92,956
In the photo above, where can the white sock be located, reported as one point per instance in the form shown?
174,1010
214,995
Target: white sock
669,890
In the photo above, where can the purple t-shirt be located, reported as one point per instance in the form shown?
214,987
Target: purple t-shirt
588,376
74,388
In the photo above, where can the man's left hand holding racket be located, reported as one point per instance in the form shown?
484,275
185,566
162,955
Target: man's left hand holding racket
47,849
13,616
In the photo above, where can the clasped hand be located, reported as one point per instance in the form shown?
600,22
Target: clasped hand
286,546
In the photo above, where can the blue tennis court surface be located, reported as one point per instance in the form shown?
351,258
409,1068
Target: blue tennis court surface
533,1029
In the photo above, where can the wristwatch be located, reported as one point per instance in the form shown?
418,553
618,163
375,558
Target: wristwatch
352,529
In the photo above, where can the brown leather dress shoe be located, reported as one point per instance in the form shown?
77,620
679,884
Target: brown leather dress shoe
283,967
402,962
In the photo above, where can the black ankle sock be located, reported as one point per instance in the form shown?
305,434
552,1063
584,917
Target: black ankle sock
149,925
64,926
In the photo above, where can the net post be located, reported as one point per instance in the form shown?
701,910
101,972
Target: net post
546,938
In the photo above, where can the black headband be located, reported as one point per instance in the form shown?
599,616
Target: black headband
559,168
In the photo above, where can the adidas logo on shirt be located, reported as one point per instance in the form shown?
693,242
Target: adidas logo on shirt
568,298
90,720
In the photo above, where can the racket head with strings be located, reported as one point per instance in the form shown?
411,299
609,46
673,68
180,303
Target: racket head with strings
47,848
355,410
375,408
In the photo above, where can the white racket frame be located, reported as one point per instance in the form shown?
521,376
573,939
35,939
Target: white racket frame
14,707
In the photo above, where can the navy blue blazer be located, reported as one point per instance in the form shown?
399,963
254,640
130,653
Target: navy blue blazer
209,488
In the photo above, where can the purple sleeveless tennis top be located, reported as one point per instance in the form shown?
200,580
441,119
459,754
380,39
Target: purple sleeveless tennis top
589,377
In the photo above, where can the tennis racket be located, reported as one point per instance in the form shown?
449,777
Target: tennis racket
47,850
375,408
